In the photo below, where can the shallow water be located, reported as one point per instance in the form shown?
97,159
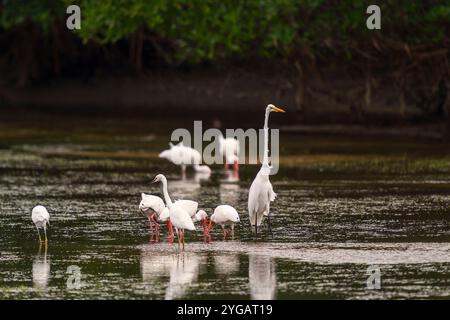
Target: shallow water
332,220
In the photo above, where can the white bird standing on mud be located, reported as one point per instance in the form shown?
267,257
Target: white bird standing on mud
261,192
40,218
223,215
229,148
178,216
184,156
155,210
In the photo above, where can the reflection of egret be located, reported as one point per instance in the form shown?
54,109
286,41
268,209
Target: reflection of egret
183,156
226,263
183,273
229,189
178,213
261,277
41,270
261,192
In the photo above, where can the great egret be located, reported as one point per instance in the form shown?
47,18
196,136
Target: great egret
229,148
178,216
183,156
261,192
223,215
153,207
40,218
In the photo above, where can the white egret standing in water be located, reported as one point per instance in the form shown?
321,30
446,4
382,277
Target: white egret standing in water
40,218
223,215
261,192
178,216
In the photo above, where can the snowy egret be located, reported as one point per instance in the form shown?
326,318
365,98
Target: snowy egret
261,191
178,216
223,215
153,207
40,218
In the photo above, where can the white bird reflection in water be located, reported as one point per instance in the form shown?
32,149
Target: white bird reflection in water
262,278
196,179
225,264
229,189
182,274
182,268
41,270
188,186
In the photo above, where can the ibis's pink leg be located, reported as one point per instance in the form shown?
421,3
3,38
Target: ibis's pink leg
224,233
169,226
157,231
204,229
236,166
232,232
155,225
151,226
211,225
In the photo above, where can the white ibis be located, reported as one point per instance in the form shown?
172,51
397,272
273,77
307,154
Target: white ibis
223,215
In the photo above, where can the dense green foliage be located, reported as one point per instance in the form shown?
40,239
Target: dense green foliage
197,30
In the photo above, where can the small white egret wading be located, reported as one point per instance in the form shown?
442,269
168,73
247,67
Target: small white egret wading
40,218
179,217
155,210
223,215
261,192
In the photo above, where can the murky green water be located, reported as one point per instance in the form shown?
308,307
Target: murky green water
344,204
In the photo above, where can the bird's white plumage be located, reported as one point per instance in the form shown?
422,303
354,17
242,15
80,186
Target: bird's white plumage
180,218
40,216
225,214
229,148
199,216
189,206
259,198
151,202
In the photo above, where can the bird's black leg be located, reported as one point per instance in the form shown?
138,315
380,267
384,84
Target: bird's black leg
256,228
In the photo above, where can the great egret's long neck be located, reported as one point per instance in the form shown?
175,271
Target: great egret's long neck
266,139
166,193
